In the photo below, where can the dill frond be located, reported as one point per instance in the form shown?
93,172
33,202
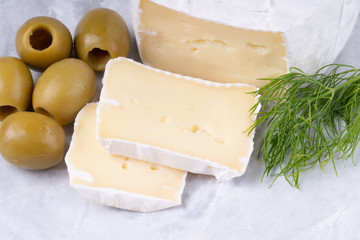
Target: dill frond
310,119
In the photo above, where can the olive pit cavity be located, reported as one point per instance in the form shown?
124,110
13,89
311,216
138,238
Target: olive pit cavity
7,110
44,112
98,57
41,39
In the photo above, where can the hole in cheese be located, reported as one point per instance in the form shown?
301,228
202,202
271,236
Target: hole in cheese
207,42
220,140
124,166
154,167
261,49
163,118
195,128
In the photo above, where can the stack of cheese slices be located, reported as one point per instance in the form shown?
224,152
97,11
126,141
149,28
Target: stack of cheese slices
133,148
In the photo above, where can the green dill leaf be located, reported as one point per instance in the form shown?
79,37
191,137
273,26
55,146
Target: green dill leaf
310,120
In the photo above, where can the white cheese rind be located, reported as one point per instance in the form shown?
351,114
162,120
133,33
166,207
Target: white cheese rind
314,31
125,200
163,156
171,159
115,197
318,39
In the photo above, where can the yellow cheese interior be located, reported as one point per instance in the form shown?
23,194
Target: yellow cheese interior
176,114
117,172
179,43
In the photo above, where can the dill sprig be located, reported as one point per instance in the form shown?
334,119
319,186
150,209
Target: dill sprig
310,119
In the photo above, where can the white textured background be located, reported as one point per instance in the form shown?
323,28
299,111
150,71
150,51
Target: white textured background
41,205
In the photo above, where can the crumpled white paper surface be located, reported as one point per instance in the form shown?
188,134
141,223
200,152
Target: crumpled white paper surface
42,205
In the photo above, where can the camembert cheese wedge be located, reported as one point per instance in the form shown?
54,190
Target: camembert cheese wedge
241,40
115,180
181,122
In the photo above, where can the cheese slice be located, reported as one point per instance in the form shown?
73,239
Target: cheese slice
240,41
115,180
181,122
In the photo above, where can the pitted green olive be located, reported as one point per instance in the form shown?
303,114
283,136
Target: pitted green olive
63,89
101,35
31,140
16,86
42,41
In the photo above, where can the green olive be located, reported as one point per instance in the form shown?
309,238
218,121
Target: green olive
42,41
31,140
16,86
63,89
101,35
